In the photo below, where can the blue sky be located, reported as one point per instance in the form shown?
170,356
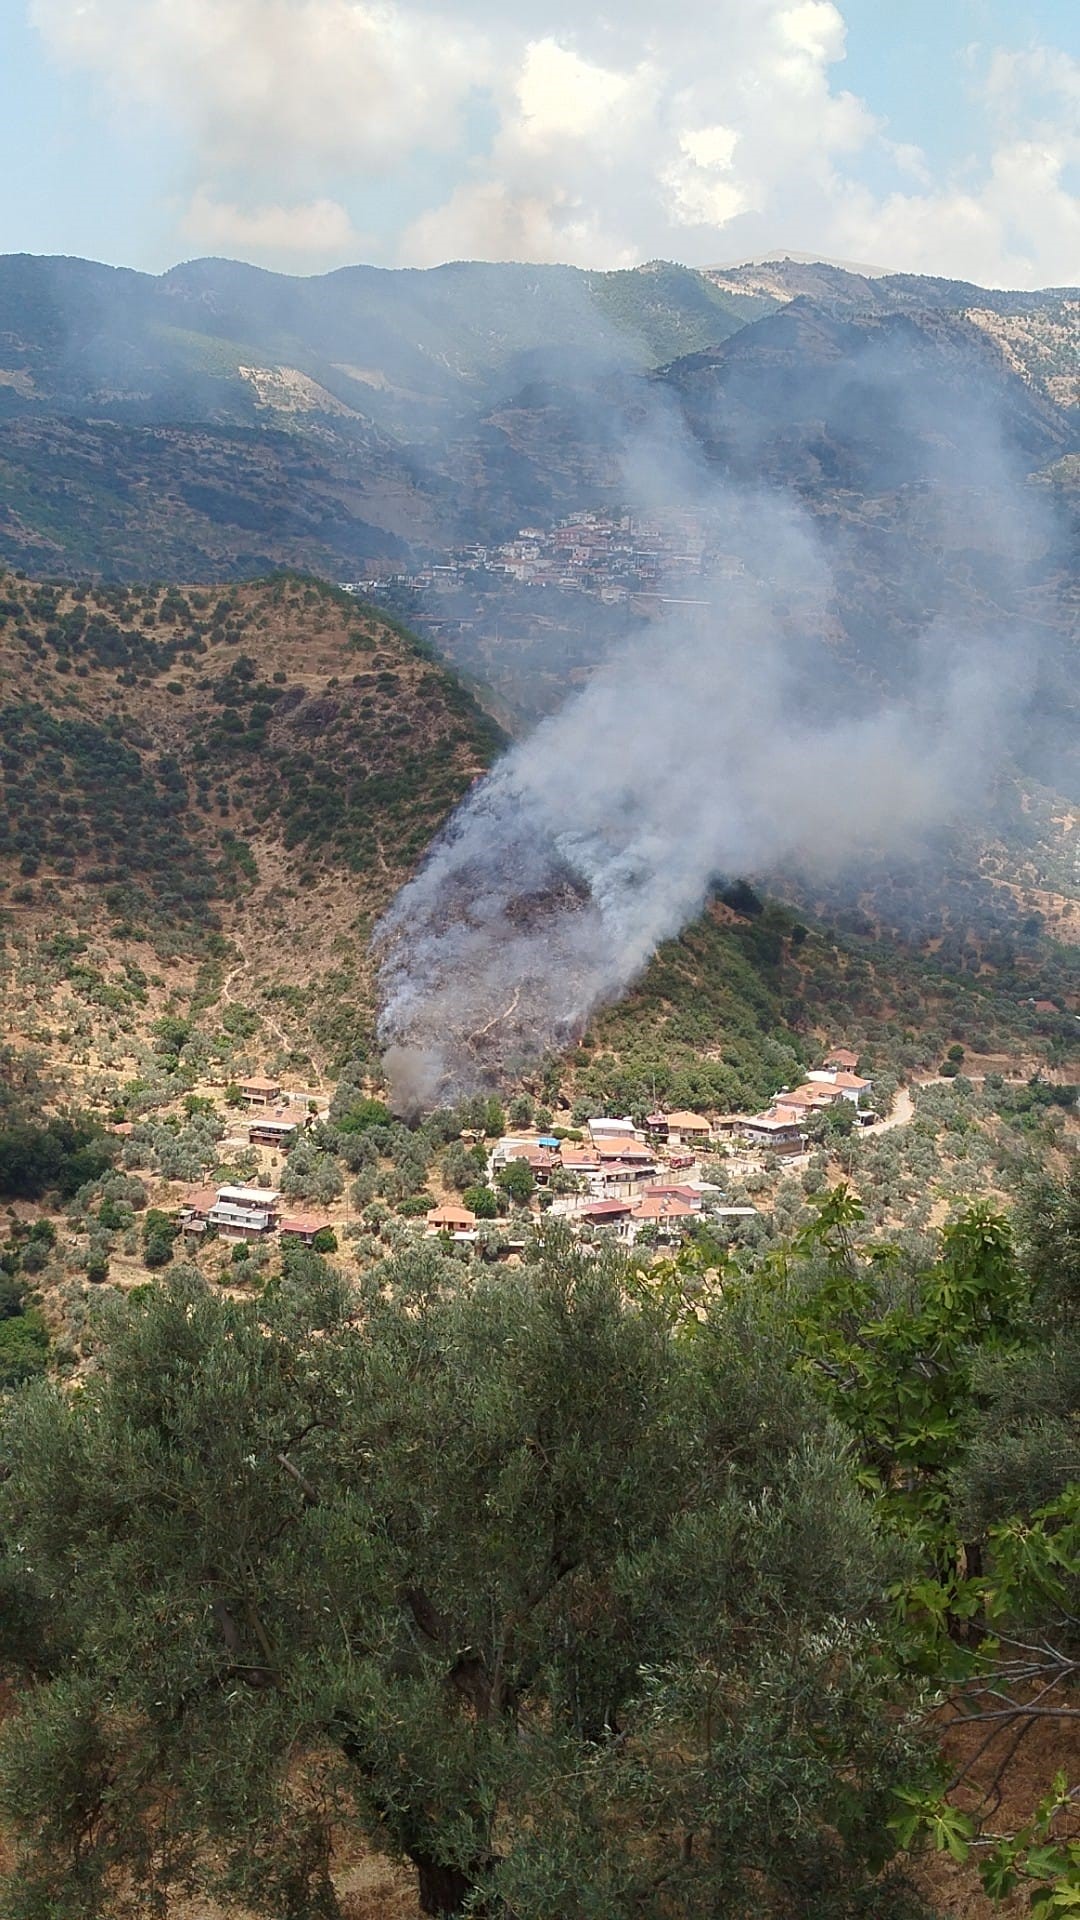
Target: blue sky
302,134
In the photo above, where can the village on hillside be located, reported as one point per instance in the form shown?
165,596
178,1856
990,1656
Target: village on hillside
647,1183
617,557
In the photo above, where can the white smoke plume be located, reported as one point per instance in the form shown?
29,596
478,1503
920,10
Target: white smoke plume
716,746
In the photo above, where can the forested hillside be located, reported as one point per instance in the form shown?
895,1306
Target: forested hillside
727,1584
236,783
239,779
219,420
588,1583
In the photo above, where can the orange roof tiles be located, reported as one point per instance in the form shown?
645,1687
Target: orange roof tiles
662,1207
201,1199
450,1217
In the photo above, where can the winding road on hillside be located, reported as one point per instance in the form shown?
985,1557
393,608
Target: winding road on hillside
900,1114
903,1106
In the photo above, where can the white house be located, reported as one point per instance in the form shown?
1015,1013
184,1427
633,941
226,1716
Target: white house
605,1128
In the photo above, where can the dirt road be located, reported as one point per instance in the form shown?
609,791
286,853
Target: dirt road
903,1112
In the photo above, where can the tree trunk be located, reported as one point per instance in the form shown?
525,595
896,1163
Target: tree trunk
443,1889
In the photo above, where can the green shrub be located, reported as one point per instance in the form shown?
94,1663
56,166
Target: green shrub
482,1201
24,1348
361,1116
517,1182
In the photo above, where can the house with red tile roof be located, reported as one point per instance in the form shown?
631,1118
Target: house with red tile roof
811,1097
458,1222
260,1093
841,1057
851,1085
663,1214
304,1226
605,1212
662,1206
689,1195
685,1128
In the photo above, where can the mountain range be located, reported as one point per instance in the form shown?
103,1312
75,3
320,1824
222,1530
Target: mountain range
218,418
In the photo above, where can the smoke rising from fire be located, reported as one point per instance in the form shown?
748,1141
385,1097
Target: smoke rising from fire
728,741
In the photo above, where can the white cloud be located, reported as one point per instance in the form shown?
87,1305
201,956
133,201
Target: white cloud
616,143
269,85
1014,222
1016,80
814,27
561,97
700,189
319,231
485,220
1021,228
702,130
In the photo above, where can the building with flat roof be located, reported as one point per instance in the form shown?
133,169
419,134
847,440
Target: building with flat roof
777,1129
250,1196
260,1093
272,1130
237,1222
606,1128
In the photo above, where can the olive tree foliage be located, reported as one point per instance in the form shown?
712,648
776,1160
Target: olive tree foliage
177,1149
311,1175
577,1612
958,1379
1050,1224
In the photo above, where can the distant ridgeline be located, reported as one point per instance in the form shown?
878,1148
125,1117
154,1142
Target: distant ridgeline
219,420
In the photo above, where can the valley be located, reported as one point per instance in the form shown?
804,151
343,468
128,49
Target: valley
415,1416
240,779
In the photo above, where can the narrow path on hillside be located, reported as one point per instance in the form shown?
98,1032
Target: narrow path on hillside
284,1040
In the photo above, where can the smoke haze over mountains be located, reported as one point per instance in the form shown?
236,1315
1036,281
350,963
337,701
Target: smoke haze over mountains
727,741
885,621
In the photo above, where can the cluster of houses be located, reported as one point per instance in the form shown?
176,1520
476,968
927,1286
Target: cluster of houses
634,1180
647,1179
244,1213
782,1126
616,1175
615,556
277,1117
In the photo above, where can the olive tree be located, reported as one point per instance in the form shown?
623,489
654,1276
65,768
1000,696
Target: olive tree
576,1611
